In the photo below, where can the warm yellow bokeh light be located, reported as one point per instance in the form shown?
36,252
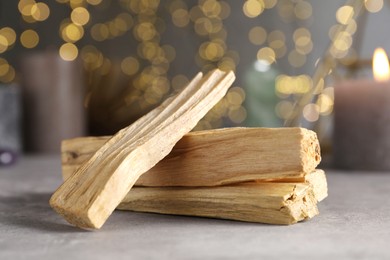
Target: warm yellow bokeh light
301,32
373,6
253,8
311,112
211,8
130,66
29,39
235,97
80,16
94,2
238,115
276,40
145,31
287,85
325,104
72,32
3,44
257,35
303,10
266,54
268,4
180,17
40,11
9,76
68,51
100,32
344,14
25,7
9,34
4,67
212,51
284,109
77,3
92,57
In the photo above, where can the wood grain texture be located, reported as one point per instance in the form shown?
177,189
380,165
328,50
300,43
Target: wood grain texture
88,197
218,157
316,179
272,203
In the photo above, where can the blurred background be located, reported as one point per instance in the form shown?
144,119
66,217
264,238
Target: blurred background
72,68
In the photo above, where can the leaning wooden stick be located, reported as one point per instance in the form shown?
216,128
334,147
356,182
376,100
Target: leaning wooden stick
89,196
272,203
218,157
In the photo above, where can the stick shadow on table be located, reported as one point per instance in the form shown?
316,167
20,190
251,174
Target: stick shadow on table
32,211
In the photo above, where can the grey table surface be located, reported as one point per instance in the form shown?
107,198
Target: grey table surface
354,223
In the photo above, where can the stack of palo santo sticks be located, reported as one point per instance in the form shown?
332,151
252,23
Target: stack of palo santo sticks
249,174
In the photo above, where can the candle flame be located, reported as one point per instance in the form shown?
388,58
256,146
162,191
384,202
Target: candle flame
380,65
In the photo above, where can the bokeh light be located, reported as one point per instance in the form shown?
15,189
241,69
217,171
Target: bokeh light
29,39
130,66
253,8
257,35
80,16
373,6
68,52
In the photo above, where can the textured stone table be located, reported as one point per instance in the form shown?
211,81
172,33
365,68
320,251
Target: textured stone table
354,224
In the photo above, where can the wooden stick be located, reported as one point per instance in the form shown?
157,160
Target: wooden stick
317,180
272,203
218,157
88,197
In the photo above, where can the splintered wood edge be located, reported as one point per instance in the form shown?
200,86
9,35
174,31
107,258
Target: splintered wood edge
302,203
317,179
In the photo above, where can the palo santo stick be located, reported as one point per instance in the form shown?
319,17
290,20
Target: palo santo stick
216,157
316,179
272,203
88,197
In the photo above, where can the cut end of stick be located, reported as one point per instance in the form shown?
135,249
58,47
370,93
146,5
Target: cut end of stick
75,218
301,205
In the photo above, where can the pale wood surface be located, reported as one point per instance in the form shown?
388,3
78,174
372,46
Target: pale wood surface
272,203
87,198
216,157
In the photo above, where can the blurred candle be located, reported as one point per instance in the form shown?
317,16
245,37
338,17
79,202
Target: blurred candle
53,92
362,120
10,130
